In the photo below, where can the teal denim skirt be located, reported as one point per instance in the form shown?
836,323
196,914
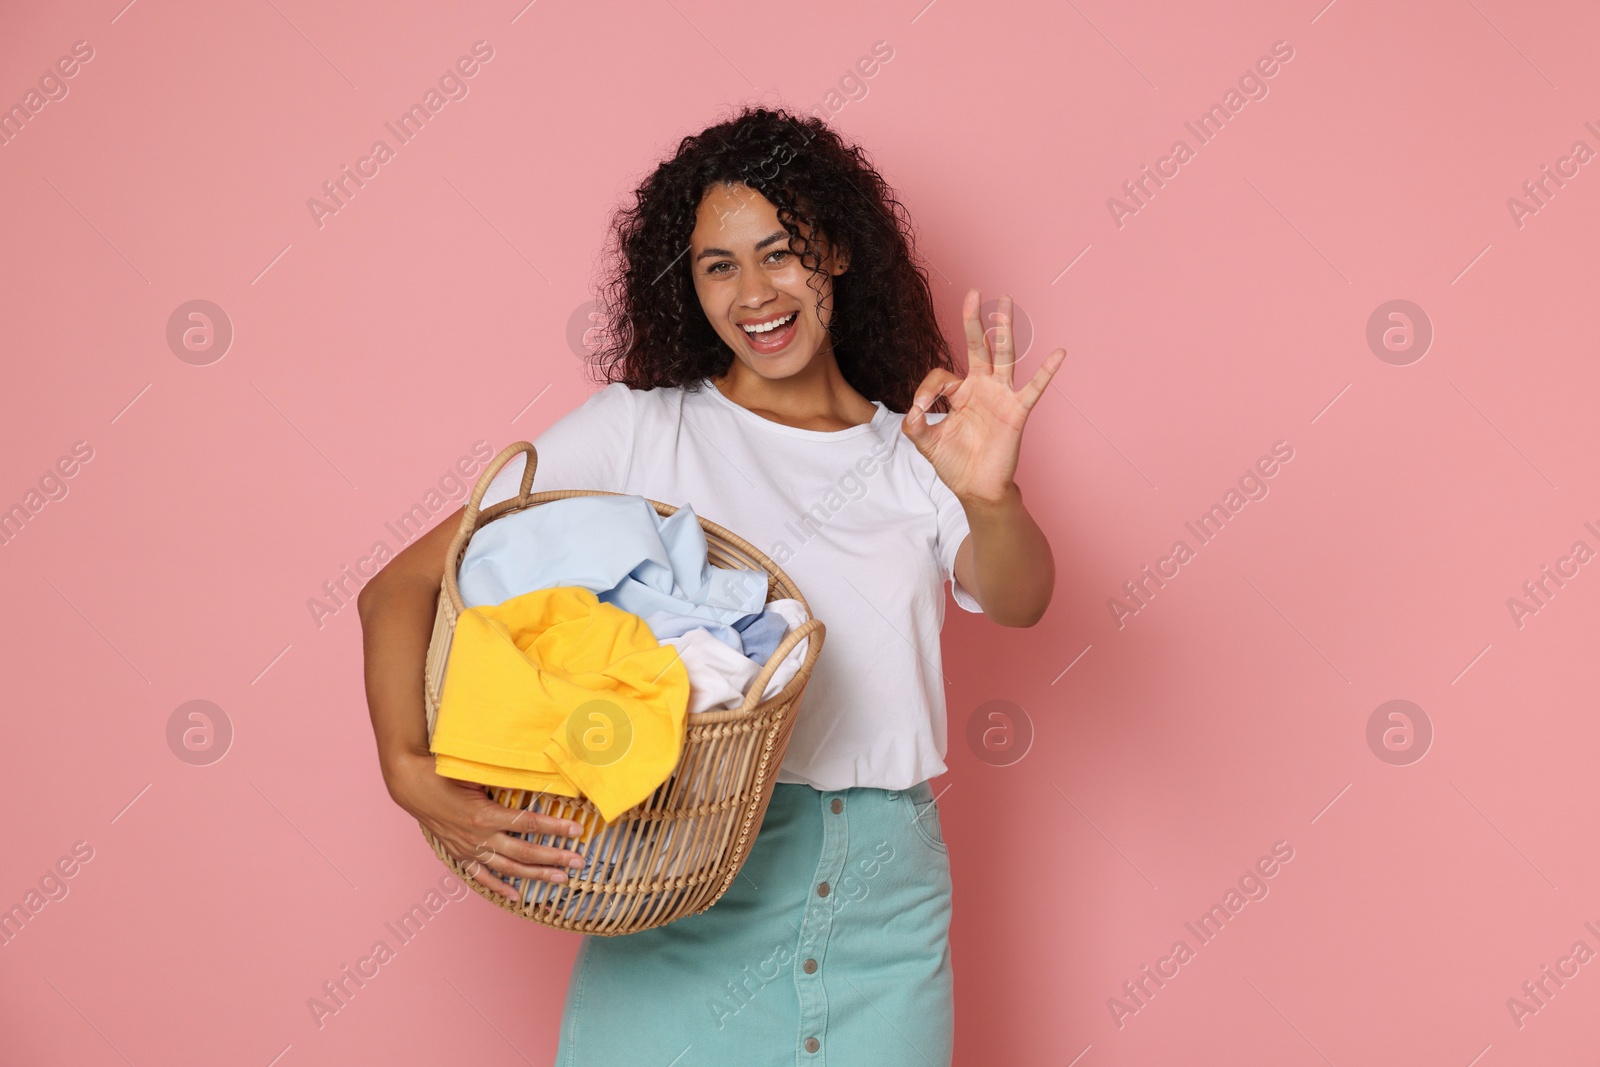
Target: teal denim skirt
830,948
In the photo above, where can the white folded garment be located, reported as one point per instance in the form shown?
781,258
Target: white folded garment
795,613
718,675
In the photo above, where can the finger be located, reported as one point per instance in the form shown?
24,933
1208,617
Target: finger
520,851
1001,335
978,361
524,821
496,863
937,383
512,843
1030,393
505,865
502,851
480,873
501,816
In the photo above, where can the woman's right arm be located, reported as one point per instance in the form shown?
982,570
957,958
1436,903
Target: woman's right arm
397,610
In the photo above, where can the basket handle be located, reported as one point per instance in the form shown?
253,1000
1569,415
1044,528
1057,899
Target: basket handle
810,628
469,515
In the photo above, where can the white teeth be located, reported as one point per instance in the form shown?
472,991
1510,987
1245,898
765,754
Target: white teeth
768,327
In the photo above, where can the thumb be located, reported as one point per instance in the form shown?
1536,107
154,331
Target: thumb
915,426
922,433
935,384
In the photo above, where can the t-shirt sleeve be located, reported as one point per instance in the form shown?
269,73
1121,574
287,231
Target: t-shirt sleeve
590,447
953,530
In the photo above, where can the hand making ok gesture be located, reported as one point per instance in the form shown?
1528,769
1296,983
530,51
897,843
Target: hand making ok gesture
974,448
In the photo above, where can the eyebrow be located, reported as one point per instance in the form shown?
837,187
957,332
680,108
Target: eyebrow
773,238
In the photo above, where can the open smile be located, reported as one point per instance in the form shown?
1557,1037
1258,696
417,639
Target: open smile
772,335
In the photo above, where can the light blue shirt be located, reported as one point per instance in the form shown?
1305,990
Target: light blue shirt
618,548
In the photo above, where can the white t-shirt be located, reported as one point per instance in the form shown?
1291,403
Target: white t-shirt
856,517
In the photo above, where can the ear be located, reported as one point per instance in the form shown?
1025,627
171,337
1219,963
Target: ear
835,254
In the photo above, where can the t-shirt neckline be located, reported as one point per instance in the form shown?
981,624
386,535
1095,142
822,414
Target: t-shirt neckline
877,420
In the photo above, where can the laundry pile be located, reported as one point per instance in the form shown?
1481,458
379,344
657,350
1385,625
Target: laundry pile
593,629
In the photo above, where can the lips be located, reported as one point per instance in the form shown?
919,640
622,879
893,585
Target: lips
773,338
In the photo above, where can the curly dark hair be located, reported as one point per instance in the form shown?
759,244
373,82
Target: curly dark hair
653,331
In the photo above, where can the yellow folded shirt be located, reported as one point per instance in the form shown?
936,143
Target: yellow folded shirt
555,691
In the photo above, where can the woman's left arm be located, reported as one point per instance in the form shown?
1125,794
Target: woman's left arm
1006,561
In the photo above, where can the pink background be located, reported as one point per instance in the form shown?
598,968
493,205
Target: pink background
432,311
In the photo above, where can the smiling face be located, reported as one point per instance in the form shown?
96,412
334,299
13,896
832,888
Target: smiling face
754,289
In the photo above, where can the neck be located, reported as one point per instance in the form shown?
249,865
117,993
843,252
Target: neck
817,393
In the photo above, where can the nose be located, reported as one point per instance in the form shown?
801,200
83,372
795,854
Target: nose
755,288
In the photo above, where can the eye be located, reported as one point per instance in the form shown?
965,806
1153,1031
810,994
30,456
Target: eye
713,268
779,252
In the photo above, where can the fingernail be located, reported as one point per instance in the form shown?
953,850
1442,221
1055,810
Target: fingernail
558,877
575,828
575,861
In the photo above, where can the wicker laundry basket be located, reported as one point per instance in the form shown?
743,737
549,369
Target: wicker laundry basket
679,850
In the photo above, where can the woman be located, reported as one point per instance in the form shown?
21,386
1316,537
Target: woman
766,325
